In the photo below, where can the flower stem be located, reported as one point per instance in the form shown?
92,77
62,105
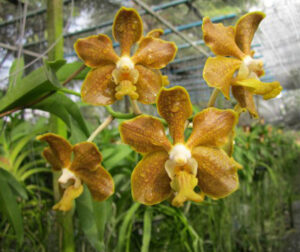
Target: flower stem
135,107
70,91
213,97
102,126
119,115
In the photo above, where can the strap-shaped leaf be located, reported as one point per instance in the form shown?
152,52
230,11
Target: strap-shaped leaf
33,86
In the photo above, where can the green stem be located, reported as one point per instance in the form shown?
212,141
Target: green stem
69,91
119,115
55,35
101,127
213,97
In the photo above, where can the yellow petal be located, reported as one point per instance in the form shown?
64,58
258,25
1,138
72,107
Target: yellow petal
155,33
148,85
87,166
98,87
144,134
245,29
245,99
212,127
154,52
218,73
150,183
217,173
127,29
220,39
61,149
175,107
96,50
267,90
67,200
52,159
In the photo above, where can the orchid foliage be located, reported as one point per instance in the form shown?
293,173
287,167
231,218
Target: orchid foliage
173,167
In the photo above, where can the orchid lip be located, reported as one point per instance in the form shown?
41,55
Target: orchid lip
66,178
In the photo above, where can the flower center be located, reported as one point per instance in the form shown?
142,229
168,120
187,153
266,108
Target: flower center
254,65
125,76
68,178
182,170
125,64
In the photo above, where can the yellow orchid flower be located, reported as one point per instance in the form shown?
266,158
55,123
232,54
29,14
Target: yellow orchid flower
84,168
219,72
176,169
113,77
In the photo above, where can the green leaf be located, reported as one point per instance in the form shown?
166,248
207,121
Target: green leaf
123,234
16,72
30,88
147,229
120,152
14,184
68,69
10,209
87,220
63,107
56,64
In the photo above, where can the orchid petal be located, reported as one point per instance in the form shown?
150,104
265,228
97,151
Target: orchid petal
245,29
148,85
220,39
87,166
154,52
59,154
98,87
144,134
127,29
175,107
96,50
150,183
217,173
212,127
218,73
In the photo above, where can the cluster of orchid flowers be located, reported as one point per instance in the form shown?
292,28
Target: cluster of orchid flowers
167,170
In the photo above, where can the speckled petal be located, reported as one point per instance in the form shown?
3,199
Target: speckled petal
144,134
267,90
217,173
96,50
61,149
67,200
154,52
148,85
245,99
127,29
212,127
150,183
52,159
87,166
245,29
175,107
220,39
155,33
218,73
98,87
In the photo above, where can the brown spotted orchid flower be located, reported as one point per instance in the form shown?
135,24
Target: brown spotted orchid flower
240,71
85,167
168,169
113,76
